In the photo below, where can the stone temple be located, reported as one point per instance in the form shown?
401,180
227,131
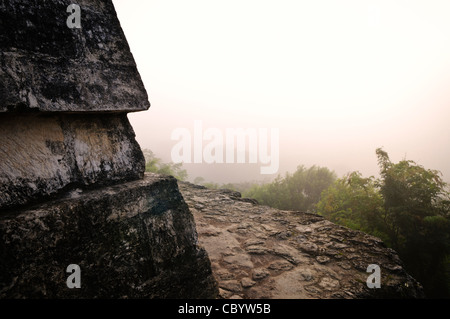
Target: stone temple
73,189
72,184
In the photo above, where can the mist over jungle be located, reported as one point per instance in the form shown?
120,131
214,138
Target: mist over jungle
357,92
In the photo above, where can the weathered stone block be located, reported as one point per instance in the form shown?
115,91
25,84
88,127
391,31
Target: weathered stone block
64,95
133,240
44,154
47,66
313,259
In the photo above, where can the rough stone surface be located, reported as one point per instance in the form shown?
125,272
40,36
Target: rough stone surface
42,154
72,185
260,252
46,66
133,240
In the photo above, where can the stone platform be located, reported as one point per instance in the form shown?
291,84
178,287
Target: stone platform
261,252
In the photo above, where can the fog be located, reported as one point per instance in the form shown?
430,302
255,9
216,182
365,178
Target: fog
337,79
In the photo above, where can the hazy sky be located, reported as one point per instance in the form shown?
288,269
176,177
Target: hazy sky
337,78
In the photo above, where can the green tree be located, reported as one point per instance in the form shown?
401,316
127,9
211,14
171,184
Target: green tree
355,202
155,165
408,207
211,185
416,205
298,191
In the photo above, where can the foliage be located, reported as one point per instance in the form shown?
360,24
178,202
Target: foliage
417,216
355,202
199,180
298,191
155,165
240,187
408,207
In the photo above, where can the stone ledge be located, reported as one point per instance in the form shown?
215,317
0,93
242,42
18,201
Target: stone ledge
46,66
43,154
133,240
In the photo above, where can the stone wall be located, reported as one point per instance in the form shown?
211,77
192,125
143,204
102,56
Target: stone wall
49,67
44,154
72,186
132,240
